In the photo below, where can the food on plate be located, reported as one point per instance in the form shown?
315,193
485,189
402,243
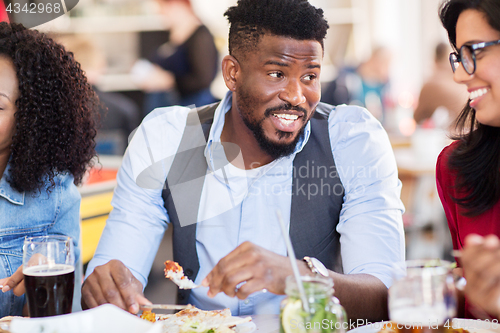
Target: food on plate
148,315
175,272
194,320
460,330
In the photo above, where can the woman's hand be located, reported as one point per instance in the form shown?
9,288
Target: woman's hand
481,263
14,282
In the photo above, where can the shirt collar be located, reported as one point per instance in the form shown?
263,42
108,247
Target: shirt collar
8,192
218,125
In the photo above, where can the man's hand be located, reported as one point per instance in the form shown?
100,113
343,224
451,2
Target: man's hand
257,267
113,283
15,282
481,263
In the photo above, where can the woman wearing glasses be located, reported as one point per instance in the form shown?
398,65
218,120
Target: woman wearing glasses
468,171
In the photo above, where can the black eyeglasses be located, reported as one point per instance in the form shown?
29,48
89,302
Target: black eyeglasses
468,56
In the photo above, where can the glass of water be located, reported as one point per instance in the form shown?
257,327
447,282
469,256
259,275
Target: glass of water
425,299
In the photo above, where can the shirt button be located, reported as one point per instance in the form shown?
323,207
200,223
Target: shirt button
246,301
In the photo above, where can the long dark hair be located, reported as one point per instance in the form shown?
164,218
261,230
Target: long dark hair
56,110
476,160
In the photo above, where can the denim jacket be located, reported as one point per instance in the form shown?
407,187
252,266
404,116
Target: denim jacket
35,213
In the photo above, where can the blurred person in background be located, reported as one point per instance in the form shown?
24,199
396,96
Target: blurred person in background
119,114
468,176
47,119
440,94
366,85
186,65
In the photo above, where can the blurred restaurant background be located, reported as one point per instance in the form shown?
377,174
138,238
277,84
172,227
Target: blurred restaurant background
378,53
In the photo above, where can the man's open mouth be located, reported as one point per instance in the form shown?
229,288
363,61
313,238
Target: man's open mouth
287,122
286,119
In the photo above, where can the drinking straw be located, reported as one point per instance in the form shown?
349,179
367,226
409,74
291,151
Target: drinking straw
293,261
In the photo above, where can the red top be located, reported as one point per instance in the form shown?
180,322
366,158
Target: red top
461,226
3,13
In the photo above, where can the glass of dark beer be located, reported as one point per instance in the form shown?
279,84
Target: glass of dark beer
49,275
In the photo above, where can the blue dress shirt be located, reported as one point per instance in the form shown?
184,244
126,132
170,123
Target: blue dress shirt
239,205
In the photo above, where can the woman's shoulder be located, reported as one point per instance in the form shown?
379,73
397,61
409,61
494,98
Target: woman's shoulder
65,180
62,184
445,154
443,173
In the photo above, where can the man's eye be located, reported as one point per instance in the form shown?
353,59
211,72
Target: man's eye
310,77
276,74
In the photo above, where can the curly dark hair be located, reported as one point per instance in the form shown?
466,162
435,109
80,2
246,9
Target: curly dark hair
250,19
476,160
56,112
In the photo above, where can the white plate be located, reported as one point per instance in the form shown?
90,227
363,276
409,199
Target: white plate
102,319
246,327
473,326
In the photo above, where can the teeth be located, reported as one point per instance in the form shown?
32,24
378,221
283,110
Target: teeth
283,116
286,121
478,93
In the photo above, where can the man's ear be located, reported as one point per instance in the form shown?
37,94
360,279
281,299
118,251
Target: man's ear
230,71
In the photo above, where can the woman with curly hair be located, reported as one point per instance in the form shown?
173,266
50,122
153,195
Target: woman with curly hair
468,171
47,129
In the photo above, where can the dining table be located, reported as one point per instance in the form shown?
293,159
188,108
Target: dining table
109,318
266,323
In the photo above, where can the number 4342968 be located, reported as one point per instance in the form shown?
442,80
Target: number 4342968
473,325
34,8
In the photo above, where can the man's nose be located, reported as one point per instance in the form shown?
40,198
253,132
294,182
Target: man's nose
293,93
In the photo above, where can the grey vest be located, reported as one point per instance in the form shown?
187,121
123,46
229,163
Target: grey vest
314,217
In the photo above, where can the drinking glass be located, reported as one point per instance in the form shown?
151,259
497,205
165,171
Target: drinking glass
425,299
49,274
325,312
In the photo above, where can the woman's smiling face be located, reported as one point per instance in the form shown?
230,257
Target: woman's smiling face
484,85
9,92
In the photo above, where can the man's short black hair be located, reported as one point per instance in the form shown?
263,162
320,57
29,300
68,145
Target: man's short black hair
250,19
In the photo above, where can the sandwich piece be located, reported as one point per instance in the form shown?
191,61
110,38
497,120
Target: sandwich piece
174,272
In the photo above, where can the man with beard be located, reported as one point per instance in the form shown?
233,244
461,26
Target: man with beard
218,174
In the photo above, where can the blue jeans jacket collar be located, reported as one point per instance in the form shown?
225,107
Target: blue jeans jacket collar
8,192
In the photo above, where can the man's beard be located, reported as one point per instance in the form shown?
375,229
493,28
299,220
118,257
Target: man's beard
273,149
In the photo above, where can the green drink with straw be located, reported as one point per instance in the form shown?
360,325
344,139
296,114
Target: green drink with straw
325,312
